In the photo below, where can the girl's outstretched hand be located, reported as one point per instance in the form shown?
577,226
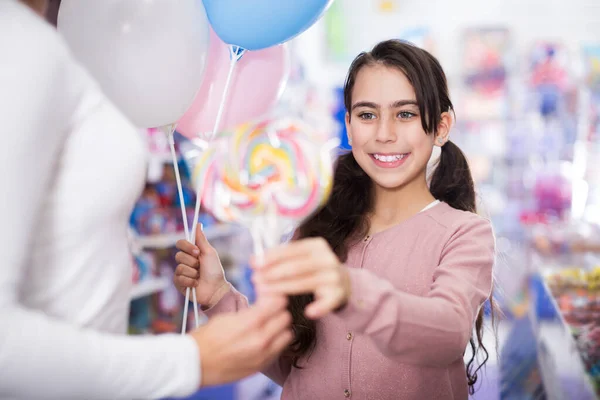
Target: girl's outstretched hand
302,267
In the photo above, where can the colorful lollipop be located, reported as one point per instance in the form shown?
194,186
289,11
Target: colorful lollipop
279,165
267,175
208,176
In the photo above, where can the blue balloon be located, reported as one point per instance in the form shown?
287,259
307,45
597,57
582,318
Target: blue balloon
258,24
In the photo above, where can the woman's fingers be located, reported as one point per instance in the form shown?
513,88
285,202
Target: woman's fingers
296,249
323,305
300,285
287,270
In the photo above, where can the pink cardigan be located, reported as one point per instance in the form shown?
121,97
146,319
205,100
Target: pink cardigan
416,290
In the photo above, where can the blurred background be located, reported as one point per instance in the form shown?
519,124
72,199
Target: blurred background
525,80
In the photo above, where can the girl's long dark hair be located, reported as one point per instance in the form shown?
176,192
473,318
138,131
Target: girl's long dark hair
344,217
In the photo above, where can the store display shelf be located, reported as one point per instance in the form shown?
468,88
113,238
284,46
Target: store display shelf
166,240
148,287
162,158
159,241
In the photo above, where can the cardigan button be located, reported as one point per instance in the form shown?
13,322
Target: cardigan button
347,393
349,336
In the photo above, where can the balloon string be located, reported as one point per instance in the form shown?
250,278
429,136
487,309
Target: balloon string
195,303
170,130
185,311
235,54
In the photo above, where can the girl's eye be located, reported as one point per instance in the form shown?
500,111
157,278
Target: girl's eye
366,116
406,115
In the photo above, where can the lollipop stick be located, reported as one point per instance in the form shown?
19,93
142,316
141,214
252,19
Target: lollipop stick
272,235
194,299
264,229
257,240
169,130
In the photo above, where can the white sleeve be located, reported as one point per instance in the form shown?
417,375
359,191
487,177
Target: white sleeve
41,357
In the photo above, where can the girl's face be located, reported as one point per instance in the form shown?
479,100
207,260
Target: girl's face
384,126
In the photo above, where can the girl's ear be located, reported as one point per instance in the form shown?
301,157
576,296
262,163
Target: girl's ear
443,129
348,132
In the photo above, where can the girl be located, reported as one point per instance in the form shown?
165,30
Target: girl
388,279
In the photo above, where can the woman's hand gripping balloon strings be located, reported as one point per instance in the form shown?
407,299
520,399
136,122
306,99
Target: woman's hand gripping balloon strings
302,267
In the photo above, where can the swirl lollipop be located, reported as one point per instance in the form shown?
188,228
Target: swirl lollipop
207,174
270,174
282,169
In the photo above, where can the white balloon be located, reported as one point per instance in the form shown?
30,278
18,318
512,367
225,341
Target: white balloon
149,56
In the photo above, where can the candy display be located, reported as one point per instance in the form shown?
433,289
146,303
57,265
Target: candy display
577,293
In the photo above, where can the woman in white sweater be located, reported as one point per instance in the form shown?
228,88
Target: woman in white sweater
71,168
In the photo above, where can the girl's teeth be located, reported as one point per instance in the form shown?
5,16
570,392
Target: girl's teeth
389,158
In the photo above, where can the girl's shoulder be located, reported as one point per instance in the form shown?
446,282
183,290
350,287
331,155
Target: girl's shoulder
450,217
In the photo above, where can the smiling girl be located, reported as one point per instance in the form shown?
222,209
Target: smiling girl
388,279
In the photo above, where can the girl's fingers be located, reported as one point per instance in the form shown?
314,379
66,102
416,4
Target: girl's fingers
184,258
187,271
185,282
187,247
202,241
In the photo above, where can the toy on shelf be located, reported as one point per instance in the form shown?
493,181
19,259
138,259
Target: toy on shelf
157,211
485,65
549,77
552,99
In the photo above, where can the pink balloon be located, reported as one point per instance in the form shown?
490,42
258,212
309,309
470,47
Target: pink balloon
257,83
